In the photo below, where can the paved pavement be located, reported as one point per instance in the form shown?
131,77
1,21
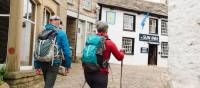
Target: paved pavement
133,77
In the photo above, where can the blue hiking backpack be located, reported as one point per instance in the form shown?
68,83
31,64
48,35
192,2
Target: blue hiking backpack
46,47
92,54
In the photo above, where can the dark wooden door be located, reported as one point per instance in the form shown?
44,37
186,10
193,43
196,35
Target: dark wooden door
152,57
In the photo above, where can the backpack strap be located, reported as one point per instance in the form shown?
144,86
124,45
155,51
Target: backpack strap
101,60
54,43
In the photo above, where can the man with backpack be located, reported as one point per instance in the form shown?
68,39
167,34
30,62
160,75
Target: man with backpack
96,55
51,45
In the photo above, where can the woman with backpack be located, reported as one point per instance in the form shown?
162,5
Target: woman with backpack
99,79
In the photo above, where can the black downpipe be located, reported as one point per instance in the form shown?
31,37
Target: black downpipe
100,12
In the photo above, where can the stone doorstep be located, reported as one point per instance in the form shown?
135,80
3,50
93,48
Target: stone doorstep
21,78
25,85
27,74
24,80
18,75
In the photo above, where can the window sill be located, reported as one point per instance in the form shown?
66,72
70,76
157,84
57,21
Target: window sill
69,3
26,68
20,74
164,56
129,30
57,2
88,10
164,34
129,53
154,33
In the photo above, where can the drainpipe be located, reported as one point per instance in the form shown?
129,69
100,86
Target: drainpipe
77,24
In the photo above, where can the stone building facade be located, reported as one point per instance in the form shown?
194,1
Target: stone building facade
81,19
20,22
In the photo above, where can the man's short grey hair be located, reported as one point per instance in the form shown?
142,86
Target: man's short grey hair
101,27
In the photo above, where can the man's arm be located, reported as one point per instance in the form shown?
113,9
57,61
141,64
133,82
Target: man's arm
66,50
37,64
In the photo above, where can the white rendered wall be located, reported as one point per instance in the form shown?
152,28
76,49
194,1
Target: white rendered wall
184,37
116,33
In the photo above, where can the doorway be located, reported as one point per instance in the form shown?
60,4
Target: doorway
80,38
71,34
152,57
4,26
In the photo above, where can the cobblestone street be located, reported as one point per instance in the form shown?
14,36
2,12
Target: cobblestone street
133,77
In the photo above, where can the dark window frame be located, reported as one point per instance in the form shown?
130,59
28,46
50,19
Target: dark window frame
156,25
134,23
133,43
164,56
165,34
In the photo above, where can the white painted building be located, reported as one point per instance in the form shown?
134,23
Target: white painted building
126,32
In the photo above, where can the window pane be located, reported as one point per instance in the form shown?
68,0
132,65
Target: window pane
26,44
128,22
127,44
46,16
152,26
164,28
89,27
165,48
87,4
27,33
4,6
4,24
29,10
25,9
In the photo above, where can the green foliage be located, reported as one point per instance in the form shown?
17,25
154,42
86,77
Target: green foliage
2,71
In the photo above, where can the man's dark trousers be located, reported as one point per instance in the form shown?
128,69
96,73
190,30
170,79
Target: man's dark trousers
50,73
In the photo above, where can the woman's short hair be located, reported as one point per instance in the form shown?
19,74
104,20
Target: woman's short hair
102,27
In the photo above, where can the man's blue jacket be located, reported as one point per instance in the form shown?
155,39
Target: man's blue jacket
63,44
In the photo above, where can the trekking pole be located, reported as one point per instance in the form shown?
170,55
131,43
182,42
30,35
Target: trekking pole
121,74
111,71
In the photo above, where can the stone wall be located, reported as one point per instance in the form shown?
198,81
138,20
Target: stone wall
184,44
23,79
90,13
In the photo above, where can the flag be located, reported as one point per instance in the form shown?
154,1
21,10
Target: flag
143,21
